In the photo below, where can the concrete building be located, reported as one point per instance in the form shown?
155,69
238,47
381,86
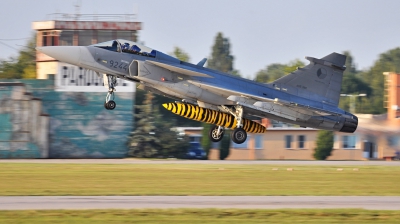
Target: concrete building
69,31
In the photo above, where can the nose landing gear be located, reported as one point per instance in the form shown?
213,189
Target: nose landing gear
111,81
110,103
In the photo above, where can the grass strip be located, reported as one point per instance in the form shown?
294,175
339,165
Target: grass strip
202,216
196,179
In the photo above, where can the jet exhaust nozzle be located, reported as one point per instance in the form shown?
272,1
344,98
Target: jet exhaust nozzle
197,113
350,125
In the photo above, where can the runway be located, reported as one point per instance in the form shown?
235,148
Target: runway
216,162
167,202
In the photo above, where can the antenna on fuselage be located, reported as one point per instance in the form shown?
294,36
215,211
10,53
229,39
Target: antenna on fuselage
202,62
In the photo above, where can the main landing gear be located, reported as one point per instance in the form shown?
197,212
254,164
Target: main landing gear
238,135
111,80
216,133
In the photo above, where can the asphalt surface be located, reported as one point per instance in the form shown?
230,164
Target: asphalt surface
174,161
166,202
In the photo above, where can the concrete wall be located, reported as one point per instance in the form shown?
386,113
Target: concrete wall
24,129
78,124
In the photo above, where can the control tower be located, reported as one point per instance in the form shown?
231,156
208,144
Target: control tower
80,30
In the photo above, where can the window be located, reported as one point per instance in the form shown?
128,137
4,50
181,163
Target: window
104,35
393,141
302,141
288,141
349,142
258,144
66,38
85,37
49,38
126,35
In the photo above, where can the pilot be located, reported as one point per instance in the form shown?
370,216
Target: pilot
125,47
135,49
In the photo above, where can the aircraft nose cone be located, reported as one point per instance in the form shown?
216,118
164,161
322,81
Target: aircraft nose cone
68,54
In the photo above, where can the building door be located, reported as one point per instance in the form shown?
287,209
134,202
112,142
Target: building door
369,150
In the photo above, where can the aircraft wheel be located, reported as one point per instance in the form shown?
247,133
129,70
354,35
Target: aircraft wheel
213,134
105,105
239,135
111,105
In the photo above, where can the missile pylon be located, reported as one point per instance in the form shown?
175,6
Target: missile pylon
197,113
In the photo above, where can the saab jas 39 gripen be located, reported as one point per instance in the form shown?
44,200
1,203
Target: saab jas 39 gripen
307,97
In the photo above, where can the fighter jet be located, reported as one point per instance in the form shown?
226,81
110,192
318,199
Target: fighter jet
307,97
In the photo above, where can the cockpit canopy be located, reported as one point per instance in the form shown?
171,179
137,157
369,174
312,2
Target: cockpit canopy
127,46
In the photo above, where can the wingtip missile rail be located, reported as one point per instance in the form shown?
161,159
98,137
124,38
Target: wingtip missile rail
197,113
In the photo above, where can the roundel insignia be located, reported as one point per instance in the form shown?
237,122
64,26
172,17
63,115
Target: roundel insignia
321,73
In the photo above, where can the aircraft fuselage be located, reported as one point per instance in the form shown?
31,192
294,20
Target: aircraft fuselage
305,102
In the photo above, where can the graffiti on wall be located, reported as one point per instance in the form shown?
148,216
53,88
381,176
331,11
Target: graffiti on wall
78,124
23,128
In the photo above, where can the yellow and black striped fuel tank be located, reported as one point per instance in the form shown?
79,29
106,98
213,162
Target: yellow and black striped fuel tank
212,116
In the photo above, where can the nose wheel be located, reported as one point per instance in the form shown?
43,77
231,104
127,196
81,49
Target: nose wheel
111,80
110,105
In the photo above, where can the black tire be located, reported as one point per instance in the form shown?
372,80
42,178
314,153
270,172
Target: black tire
105,105
111,105
239,135
212,134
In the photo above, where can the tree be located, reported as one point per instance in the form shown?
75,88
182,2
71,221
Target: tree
180,54
143,141
224,146
275,71
171,144
154,136
270,73
221,58
324,145
24,66
350,66
293,65
387,62
352,83
205,140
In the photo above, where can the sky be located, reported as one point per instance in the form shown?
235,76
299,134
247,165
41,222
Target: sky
261,32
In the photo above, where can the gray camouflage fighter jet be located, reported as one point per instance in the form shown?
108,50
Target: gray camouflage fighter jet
307,97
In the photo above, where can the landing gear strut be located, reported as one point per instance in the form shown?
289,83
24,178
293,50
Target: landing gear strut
111,80
216,133
238,135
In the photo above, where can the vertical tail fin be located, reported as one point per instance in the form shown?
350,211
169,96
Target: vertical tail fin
321,80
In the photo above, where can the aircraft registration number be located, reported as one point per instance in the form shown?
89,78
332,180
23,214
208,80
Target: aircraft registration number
119,65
